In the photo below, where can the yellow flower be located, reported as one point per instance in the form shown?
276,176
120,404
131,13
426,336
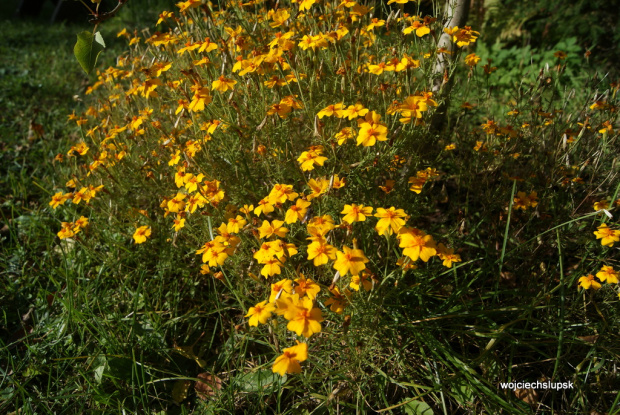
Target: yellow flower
279,288
297,211
288,362
66,230
268,230
607,236
267,251
416,244
337,182
320,253
176,204
447,255
601,204
282,193
318,187
608,274
141,234
200,99
305,319
344,134
355,213
362,279
350,260
279,17
263,207
236,224
178,224
321,224
271,268
339,301
260,313
192,182
59,199
380,68
472,59
309,158
246,209
588,281
330,110
523,201
417,183
306,287
353,111
413,107
82,222
370,133
214,253
391,220
416,26
223,84
282,110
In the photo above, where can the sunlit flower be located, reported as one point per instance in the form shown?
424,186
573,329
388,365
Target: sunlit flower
282,286
607,235
274,228
350,260
297,212
141,234
588,281
390,220
363,279
608,274
305,319
306,287
260,313
416,244
288,362
320,253
355,213
223,84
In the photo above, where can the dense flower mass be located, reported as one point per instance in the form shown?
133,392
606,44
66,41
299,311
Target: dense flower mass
293,154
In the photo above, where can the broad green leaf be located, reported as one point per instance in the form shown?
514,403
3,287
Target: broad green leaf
259,381
417,408
87,49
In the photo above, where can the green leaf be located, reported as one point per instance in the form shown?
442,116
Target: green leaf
417,408
259,381
87,49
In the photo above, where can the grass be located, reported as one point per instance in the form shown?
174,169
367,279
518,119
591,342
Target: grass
99,325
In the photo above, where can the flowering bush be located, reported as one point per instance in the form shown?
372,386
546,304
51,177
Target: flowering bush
312,161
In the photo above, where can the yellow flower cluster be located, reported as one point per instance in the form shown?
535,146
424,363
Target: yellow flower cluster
523,201
606,274
70,229
185,116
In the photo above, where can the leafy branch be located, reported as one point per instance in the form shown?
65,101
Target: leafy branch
90,45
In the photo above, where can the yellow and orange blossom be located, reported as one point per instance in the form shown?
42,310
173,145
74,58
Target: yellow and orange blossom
141,234
390,220
350,260
288,362
607,235
416,244
260,313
